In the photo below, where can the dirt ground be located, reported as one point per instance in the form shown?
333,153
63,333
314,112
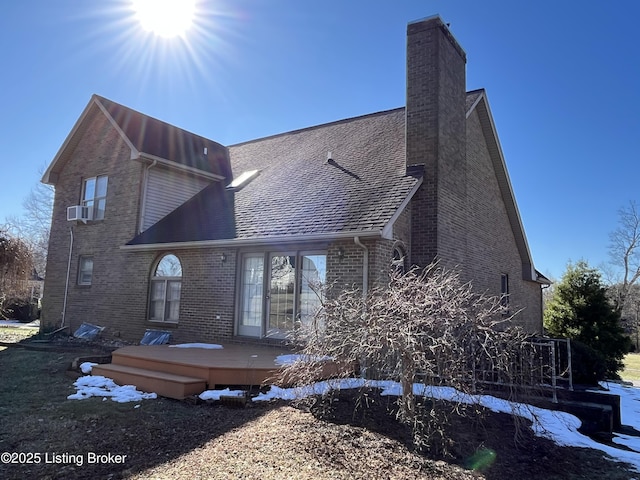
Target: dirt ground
167,439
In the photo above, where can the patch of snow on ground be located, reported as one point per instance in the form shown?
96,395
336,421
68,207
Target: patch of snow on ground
629,411
210,346
86,367
216,394
560,427
293,358
98,386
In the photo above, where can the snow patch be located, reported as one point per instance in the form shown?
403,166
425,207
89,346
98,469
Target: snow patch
86,367
209,346
216,394
99,386
293,358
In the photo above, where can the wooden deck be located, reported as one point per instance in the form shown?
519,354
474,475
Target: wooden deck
180,372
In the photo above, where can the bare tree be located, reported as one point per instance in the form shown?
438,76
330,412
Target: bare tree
624,253
34,225
15,265
423,327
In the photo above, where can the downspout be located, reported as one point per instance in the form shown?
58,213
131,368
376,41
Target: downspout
144,194
66,286
365,266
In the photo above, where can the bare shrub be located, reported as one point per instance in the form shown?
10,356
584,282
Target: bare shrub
424,327
15,267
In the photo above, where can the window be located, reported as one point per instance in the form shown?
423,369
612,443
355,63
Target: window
399,260
164,292
280,292
85,270
504,293
94,194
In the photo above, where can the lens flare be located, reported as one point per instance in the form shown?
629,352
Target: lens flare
165,18
481,460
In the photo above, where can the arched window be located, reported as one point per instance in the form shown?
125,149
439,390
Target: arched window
164,295
399,259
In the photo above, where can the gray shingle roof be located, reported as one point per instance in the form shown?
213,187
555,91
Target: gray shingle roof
155,137
298,192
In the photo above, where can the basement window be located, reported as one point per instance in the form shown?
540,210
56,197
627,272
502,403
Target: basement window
242,180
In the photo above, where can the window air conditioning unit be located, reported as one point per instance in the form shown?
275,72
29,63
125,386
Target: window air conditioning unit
79,212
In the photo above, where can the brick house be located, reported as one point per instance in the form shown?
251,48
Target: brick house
169,230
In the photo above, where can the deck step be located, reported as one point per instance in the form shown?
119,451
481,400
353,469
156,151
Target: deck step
164,384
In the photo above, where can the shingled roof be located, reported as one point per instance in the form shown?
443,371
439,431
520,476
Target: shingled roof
160,139
148,138
342,178
301,189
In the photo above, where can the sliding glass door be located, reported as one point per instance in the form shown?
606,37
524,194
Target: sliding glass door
251,296
279,291
282,295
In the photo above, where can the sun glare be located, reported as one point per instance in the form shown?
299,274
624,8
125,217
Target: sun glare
165,18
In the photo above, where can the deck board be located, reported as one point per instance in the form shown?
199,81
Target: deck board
231,365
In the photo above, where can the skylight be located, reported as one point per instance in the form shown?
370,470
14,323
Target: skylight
243,179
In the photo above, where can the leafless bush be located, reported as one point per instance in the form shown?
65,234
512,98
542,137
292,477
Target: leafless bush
425,326
15,265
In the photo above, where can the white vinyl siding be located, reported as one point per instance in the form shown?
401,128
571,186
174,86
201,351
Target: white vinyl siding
166,191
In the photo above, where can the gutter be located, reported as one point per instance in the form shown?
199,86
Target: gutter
365,265
171,164
66,286
255,241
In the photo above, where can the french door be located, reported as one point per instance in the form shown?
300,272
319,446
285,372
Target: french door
279,291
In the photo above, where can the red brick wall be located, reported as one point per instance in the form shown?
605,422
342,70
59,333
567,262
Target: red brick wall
101,151
458,215
435,115
491,244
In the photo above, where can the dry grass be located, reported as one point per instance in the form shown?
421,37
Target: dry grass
15,334
631,367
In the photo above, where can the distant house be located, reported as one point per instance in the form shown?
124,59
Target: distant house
155,227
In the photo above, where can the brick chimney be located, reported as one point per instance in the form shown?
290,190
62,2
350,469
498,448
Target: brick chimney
436,138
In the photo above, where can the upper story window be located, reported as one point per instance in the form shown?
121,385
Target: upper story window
164,295
94,194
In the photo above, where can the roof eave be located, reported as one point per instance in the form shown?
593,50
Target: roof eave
504,182
387,231
255,241
176,166
50,176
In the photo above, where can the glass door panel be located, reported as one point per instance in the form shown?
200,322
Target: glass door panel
312,284
251,296
282,291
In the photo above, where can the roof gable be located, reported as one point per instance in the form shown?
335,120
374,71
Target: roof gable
477,101
156,138
149,138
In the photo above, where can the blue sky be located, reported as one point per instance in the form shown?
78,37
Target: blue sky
562,79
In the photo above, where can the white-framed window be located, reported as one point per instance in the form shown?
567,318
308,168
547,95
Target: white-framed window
94,195
164,292
85,270
280,292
